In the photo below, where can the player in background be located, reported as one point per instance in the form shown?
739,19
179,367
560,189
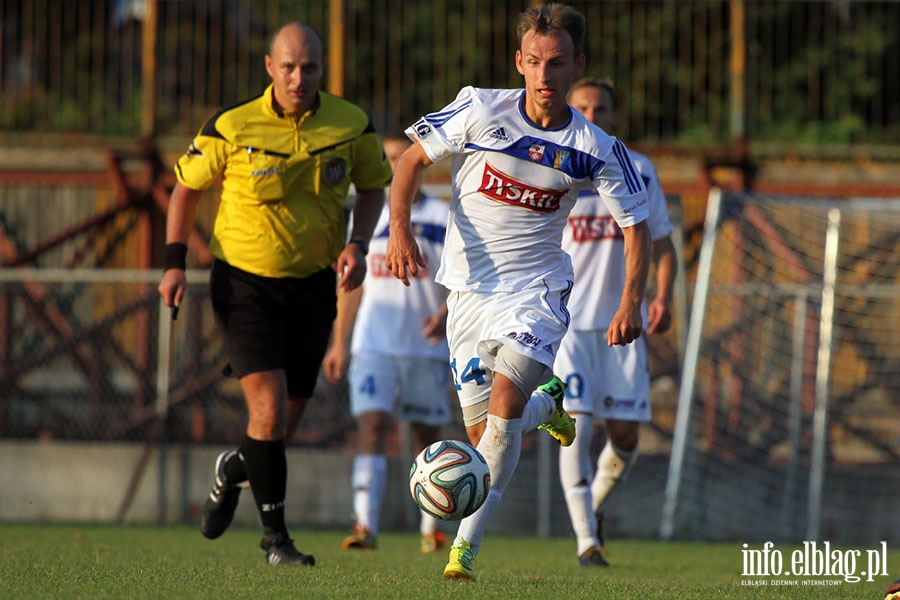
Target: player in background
286,160
520,158
610,383
399,360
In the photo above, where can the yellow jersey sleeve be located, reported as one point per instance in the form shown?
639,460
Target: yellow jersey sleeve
204,159
371,168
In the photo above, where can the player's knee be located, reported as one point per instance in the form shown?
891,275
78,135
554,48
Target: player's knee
525,372
627,442
265,423
375,423
266,430
624,434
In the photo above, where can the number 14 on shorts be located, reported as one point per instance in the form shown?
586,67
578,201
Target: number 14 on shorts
471,372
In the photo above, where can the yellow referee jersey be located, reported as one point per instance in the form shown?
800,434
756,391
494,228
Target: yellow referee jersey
284,181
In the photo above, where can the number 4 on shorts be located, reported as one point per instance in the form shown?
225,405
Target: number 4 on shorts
472,372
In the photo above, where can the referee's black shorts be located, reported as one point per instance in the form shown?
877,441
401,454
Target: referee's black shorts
275,323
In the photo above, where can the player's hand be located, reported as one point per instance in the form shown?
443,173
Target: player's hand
350,267
335,362
172,287
625,327
435,328
659,317
403,258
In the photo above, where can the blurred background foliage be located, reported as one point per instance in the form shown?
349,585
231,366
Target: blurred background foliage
692,71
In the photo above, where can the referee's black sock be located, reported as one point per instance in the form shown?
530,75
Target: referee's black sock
267,471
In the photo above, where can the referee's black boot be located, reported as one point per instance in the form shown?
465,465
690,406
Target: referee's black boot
218,510
280,550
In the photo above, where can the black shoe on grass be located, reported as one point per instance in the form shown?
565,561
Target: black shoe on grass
280,550
218,510
593,557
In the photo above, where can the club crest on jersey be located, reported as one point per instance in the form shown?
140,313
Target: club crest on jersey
335,170
499,186
536,152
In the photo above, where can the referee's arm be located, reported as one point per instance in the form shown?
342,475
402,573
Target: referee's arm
179,220
351,266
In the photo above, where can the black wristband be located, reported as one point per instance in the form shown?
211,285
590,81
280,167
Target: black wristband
176,257
363,246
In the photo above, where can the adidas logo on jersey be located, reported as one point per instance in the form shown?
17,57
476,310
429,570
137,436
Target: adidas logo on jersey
499,134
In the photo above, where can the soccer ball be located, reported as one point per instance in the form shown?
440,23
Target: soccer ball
893,591
449,480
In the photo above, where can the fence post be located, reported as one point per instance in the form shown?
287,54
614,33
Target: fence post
162,404
149,72
689,370
823,373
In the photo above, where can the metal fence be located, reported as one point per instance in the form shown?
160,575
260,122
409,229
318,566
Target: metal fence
692,71
788,413
90,354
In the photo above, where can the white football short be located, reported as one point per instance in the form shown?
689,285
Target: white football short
531,322
413,389
606,382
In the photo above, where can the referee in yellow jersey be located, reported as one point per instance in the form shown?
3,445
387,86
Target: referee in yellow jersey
286,160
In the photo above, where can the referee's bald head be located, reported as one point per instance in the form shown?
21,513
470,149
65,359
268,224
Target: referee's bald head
294,26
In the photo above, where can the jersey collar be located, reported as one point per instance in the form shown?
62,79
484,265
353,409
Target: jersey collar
275,109
535,125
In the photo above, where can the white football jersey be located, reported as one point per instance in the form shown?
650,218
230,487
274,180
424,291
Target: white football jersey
597,248
392,316
513,185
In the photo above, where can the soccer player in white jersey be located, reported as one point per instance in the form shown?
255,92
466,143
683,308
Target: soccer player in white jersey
520,158
399,360
608,383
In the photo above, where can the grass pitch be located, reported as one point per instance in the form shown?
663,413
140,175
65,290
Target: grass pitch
85,561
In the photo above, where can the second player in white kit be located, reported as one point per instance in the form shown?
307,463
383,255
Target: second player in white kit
399,366
608,383
594,242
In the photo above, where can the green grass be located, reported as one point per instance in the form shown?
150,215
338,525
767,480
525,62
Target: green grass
84,561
